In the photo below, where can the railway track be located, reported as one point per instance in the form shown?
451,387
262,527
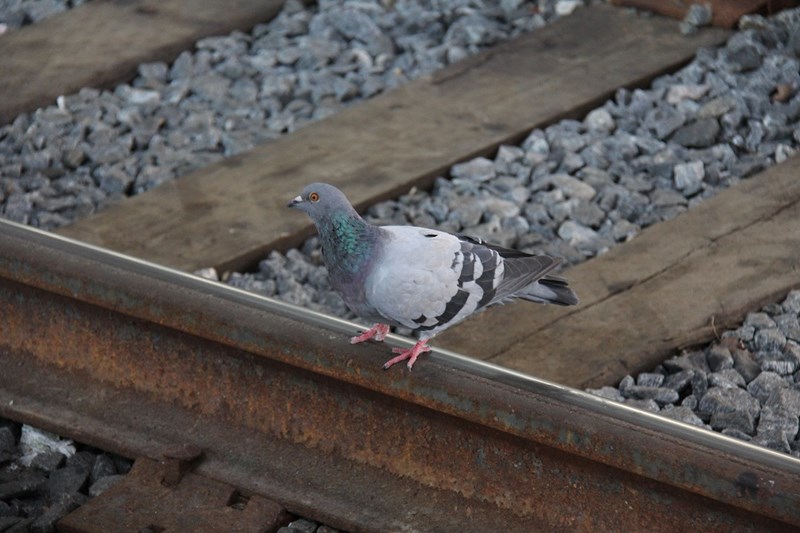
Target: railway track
268,403
240,408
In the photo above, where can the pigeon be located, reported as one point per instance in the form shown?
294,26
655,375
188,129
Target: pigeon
422,279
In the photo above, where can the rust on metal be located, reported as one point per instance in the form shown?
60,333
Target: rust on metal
132,357
175,461
725,13
196,503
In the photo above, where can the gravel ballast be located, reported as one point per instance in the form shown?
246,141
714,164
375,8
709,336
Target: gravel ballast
574,189
93,148
43,477
746,384
15,14
578,188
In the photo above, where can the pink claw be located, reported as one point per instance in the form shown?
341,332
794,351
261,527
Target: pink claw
411,354
378,332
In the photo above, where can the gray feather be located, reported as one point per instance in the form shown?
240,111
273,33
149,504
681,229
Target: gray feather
422,279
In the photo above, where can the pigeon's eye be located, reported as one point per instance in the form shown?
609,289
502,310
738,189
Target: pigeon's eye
314,197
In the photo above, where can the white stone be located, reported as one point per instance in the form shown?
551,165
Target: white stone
600,120
572,187
33,442
689,176
576,234
478,169
565,7
676,93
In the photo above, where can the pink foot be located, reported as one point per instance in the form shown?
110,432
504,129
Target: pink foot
411,354
378,332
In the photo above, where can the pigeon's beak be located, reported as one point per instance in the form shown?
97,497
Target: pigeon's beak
294,201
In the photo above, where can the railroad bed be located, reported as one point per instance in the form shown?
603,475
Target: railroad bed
149,362
170,367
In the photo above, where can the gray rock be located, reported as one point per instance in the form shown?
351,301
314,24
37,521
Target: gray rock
650,379
104,483
357,25
664,121
114,180
679,380
785,399
666,198
571,187
784,363
626,383
737,433
577,235
303,526
609,393
788,325
8,445
689,176
717,107
775,440
698,15
103,467
699,384
701,133
678,93
83,459
11,523
624,230
745,58
600,120
690,402
509,154
141,97
48,461
792,302
23,485
759,321
683,414
730,408
695,360
764,384
726,378
661,395
478,169
719,358
645,405
769,340
501,208
67,480
58,509
744,363
18,208
154,74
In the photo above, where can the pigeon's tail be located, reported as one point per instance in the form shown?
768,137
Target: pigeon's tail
549,290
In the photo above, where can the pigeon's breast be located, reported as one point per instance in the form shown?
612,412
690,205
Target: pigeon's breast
412,275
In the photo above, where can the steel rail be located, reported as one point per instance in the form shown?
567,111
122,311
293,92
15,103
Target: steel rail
131,357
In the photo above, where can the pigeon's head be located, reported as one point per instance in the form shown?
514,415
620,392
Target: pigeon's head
320,200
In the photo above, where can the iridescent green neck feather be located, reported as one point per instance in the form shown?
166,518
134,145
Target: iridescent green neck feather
347,241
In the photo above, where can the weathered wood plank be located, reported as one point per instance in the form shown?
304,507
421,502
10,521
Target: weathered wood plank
230,214
101,43
725,13
720,260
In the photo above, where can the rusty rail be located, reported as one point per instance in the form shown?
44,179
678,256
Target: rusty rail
135,358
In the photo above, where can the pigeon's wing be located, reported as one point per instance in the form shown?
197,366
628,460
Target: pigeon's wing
519,269
413,276
429,280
